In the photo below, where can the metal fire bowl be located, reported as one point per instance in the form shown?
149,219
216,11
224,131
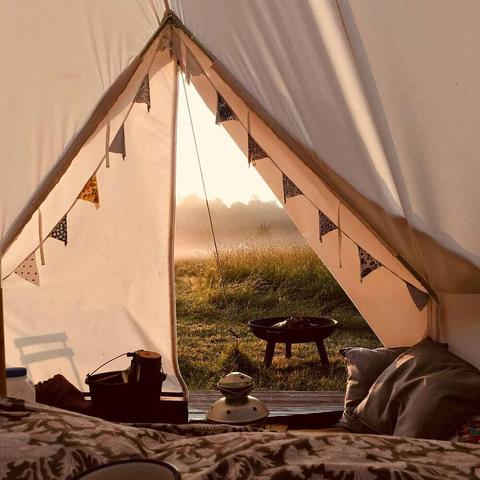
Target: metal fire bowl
323,328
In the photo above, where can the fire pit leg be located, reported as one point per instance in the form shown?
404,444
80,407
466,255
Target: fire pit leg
288,350
323,353
269,351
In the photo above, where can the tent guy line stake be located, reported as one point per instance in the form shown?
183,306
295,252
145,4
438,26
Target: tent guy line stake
217,257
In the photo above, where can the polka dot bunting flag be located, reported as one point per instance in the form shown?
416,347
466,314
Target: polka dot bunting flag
28,270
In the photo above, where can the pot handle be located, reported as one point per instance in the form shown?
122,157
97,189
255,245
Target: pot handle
127,354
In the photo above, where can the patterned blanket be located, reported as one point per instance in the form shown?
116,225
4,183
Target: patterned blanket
39,442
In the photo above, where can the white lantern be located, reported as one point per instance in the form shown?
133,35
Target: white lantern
237,406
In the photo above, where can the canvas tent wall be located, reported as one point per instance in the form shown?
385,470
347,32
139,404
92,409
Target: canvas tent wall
364,113
119,296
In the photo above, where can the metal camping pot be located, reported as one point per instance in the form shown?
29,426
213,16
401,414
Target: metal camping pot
132,395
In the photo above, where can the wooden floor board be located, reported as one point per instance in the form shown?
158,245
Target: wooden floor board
279,403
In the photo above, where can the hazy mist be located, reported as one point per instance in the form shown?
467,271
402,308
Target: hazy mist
239,224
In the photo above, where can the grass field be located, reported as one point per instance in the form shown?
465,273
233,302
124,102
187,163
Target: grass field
261,282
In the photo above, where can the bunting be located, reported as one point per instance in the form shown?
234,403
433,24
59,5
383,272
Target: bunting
60,231
164,42
367,263
28,270
419,298
325,224
289,189
255,151
90,192
143,94
224,112
118,144
192,67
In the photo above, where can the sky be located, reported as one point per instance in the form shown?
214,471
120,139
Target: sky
225,168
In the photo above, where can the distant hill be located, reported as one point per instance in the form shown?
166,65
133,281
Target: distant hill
235,225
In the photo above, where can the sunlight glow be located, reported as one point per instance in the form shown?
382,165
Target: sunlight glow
225,168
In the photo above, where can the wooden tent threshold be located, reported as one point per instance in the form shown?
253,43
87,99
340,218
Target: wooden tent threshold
296,409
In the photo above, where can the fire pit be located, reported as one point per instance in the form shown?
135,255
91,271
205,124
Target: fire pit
316,329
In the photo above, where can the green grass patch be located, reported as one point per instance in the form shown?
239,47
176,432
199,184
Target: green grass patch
257,283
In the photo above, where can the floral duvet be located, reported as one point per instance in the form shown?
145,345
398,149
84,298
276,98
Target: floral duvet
40,442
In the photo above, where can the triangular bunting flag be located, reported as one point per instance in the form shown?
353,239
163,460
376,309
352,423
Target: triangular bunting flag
289,189
90,192
420,298
367,263
164,42
28,270
325,224
60,231
192,67
118,144
255,151
224,112
143,94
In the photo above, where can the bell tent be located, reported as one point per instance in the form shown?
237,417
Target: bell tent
360,115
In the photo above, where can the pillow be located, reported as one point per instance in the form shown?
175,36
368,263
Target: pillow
363,368
426,392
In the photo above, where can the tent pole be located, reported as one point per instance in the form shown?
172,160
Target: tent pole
3,378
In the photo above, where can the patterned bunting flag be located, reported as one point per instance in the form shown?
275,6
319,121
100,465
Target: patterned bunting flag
192,67
289,189
255,151
367,263
60,231
420,298
325,224
143,94
90,192
164,42
28,270
118,144
224,112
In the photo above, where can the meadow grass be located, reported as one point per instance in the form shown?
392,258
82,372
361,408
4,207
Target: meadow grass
261,282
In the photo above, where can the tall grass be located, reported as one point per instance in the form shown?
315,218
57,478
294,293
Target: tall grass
213,306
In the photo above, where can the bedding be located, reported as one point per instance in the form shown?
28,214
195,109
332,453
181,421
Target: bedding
41,442
426,392
364,366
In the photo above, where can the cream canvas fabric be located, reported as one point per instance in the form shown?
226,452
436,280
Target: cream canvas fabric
377,106
57,61
367,98
110,290
369,109
401,326
111,282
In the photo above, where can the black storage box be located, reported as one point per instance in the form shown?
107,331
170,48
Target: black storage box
115,400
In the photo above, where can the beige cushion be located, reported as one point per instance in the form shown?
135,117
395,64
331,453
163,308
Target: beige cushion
363,368
426,392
